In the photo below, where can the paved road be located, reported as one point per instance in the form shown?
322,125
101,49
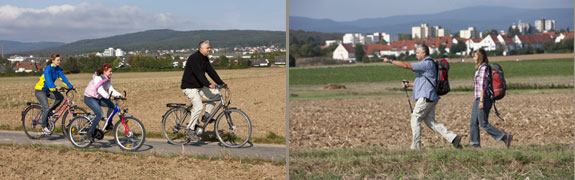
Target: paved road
260,151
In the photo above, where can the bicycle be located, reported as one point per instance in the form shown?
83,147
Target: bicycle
233,127
129,132
32,115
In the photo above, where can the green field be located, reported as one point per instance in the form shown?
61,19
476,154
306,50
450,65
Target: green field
387,72
519,162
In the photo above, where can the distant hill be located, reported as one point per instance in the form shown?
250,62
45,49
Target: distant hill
11,47
482,17
170,39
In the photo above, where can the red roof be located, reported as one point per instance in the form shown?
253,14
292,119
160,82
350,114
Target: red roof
370,48
534,38
508,40
28,66
349,48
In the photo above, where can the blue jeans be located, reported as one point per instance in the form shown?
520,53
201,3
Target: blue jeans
42,97
479,118
95,105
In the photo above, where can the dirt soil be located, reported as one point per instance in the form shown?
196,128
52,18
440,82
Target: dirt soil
28,162
533,118
260,92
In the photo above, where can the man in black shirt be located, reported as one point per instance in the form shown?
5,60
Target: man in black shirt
195,85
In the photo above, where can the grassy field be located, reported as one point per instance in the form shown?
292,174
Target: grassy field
387,72
375,162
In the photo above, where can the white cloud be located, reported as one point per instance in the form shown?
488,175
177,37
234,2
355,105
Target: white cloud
67,23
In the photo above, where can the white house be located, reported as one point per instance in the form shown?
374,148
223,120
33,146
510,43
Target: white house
16,58
330,42
563,36
344,52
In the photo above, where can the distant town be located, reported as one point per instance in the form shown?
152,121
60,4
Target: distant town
254,57
441,41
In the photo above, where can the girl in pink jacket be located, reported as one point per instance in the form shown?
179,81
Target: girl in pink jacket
100,93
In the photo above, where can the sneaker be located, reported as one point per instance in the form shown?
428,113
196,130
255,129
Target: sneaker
192,135
46,132
456,142
508,139
476,146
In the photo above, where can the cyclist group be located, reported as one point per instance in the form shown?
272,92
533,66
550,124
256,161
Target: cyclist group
100,92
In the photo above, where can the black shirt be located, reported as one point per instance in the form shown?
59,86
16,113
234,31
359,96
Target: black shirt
197,66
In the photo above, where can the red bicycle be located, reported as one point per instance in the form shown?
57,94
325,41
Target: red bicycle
32,115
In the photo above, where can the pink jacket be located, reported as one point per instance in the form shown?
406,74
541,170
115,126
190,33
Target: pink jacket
99,87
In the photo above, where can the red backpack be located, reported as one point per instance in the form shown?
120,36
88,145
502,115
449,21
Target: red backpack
498,83
441,80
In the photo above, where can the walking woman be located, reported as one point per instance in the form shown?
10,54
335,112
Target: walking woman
483,102
97,94
45,88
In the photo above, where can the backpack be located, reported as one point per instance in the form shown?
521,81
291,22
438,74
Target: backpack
441,79
497,85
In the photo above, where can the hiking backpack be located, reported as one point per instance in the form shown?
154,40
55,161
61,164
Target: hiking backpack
441,80
497,85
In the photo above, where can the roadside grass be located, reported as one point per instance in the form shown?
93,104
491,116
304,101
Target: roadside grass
553,161
125,153
386,72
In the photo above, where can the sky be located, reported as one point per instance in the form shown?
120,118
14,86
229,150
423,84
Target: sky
346,10
69,21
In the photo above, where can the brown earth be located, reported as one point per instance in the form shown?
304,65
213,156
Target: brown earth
533,118
29,162
260,92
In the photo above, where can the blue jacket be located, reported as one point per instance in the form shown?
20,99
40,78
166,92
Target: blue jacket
51,73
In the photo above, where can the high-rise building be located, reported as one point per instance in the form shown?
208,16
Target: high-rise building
544,25
469,33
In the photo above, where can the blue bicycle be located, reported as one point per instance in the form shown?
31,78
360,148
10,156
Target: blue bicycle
129,132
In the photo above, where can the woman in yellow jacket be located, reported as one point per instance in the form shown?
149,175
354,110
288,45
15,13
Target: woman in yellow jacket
45,88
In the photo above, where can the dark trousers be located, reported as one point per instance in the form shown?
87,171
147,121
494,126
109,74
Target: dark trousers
42,97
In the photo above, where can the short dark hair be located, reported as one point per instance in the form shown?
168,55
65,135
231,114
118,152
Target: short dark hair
425,49
202,42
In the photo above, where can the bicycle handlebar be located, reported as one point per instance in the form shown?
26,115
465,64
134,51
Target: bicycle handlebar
223,86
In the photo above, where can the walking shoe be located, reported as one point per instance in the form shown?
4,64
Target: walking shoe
508,139
192,135
476,146
456,142
46,132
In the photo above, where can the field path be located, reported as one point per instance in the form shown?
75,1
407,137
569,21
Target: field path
259,151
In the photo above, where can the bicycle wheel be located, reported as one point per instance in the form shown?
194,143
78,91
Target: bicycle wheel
32,121
78,129
233,128
130,135
75,110
174,127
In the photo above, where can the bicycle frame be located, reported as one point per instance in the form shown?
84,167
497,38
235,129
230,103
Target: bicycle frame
220,105
65,106
118,111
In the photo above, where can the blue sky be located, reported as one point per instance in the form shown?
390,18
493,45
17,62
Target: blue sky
346,10
68,21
